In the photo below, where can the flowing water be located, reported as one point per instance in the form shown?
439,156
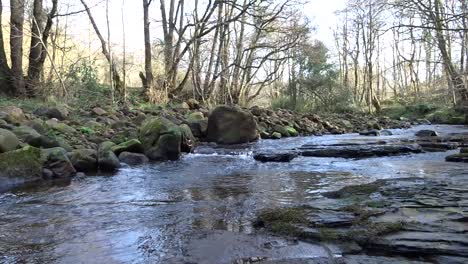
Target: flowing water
196,210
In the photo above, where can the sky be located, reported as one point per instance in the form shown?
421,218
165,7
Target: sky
320,13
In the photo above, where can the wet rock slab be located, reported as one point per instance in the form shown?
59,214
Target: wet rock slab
275,157
359,151
394,218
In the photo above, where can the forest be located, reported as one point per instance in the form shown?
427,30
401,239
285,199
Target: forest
246,52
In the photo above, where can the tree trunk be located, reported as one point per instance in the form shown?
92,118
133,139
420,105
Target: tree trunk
16,45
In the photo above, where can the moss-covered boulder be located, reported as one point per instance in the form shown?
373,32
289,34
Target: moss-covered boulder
8,141
56,160
161,139
133,145
195,116
13,114
231,125
84,160
20,166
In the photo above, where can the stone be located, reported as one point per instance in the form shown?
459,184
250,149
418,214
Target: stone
37,124
84,160
161,139
275,157
193,104
195,116
133,145
108,161
427,133
43,142
231,125
99,111
13,114
8,141
188,140
24,133
464,150
59,113
133,159
276,135
359,151
373,132
386,133
462,157
60,127
292,131
19,167
56,161
199,127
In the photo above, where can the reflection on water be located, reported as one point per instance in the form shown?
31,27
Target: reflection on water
147,214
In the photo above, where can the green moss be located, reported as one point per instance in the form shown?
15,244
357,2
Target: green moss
87,131
329,234
292,131
25,162
354,191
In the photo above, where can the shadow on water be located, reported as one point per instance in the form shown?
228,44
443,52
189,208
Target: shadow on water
197,210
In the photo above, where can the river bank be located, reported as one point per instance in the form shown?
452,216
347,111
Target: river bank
56,143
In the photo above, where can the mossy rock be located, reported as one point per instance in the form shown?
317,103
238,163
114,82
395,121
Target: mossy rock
84,160
195,116
188,140
57,161
283,130
161,139
133,145
106,146
8,141
292,131
20,166
61,128
276,135
24,133
231,125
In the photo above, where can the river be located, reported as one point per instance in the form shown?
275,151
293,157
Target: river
196,210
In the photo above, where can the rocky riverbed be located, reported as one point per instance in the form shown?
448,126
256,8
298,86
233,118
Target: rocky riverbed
219,205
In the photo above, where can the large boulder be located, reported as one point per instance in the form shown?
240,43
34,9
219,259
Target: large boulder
8,141
231,125
56,161
20,166
161,139
84,160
